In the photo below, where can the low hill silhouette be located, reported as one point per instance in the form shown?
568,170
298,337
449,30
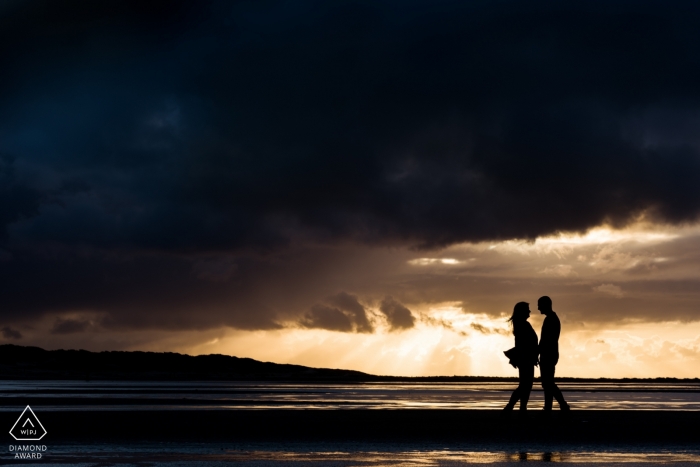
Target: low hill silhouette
18,362
34,363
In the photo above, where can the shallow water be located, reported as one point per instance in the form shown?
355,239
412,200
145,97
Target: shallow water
106,395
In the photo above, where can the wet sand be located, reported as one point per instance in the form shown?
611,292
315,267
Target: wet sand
589,428
369,438
371,425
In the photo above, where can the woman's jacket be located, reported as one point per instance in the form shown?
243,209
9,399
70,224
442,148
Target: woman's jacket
525,343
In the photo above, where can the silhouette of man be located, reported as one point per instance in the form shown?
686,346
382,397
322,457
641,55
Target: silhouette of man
549,354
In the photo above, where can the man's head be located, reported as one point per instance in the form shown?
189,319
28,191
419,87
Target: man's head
544,304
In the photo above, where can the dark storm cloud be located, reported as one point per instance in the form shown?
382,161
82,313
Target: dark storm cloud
69,326
326,317
9,333
398,316
345,313
143,291
17,201
350,305
216,125
135,131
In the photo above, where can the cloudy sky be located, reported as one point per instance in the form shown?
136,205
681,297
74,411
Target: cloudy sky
353,184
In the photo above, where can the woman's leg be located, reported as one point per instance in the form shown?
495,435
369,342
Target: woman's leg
527,376
513,399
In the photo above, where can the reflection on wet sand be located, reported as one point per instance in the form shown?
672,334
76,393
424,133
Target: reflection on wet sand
350,455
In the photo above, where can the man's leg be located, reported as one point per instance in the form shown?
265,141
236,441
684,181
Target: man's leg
547,380
554,391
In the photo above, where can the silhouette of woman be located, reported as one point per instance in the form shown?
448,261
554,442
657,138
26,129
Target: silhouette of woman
526,355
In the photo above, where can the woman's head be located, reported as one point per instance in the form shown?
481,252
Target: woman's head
521,312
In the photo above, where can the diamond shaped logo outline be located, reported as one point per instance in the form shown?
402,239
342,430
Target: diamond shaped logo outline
35,418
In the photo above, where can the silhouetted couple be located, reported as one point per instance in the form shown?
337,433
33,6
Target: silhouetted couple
527,354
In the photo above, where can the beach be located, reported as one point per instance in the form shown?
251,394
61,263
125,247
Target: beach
260,424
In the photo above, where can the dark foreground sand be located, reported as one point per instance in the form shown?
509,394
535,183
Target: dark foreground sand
444,426
367,438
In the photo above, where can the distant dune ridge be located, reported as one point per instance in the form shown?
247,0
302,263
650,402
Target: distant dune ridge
20,362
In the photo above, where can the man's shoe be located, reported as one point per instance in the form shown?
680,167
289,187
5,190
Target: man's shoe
565,408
